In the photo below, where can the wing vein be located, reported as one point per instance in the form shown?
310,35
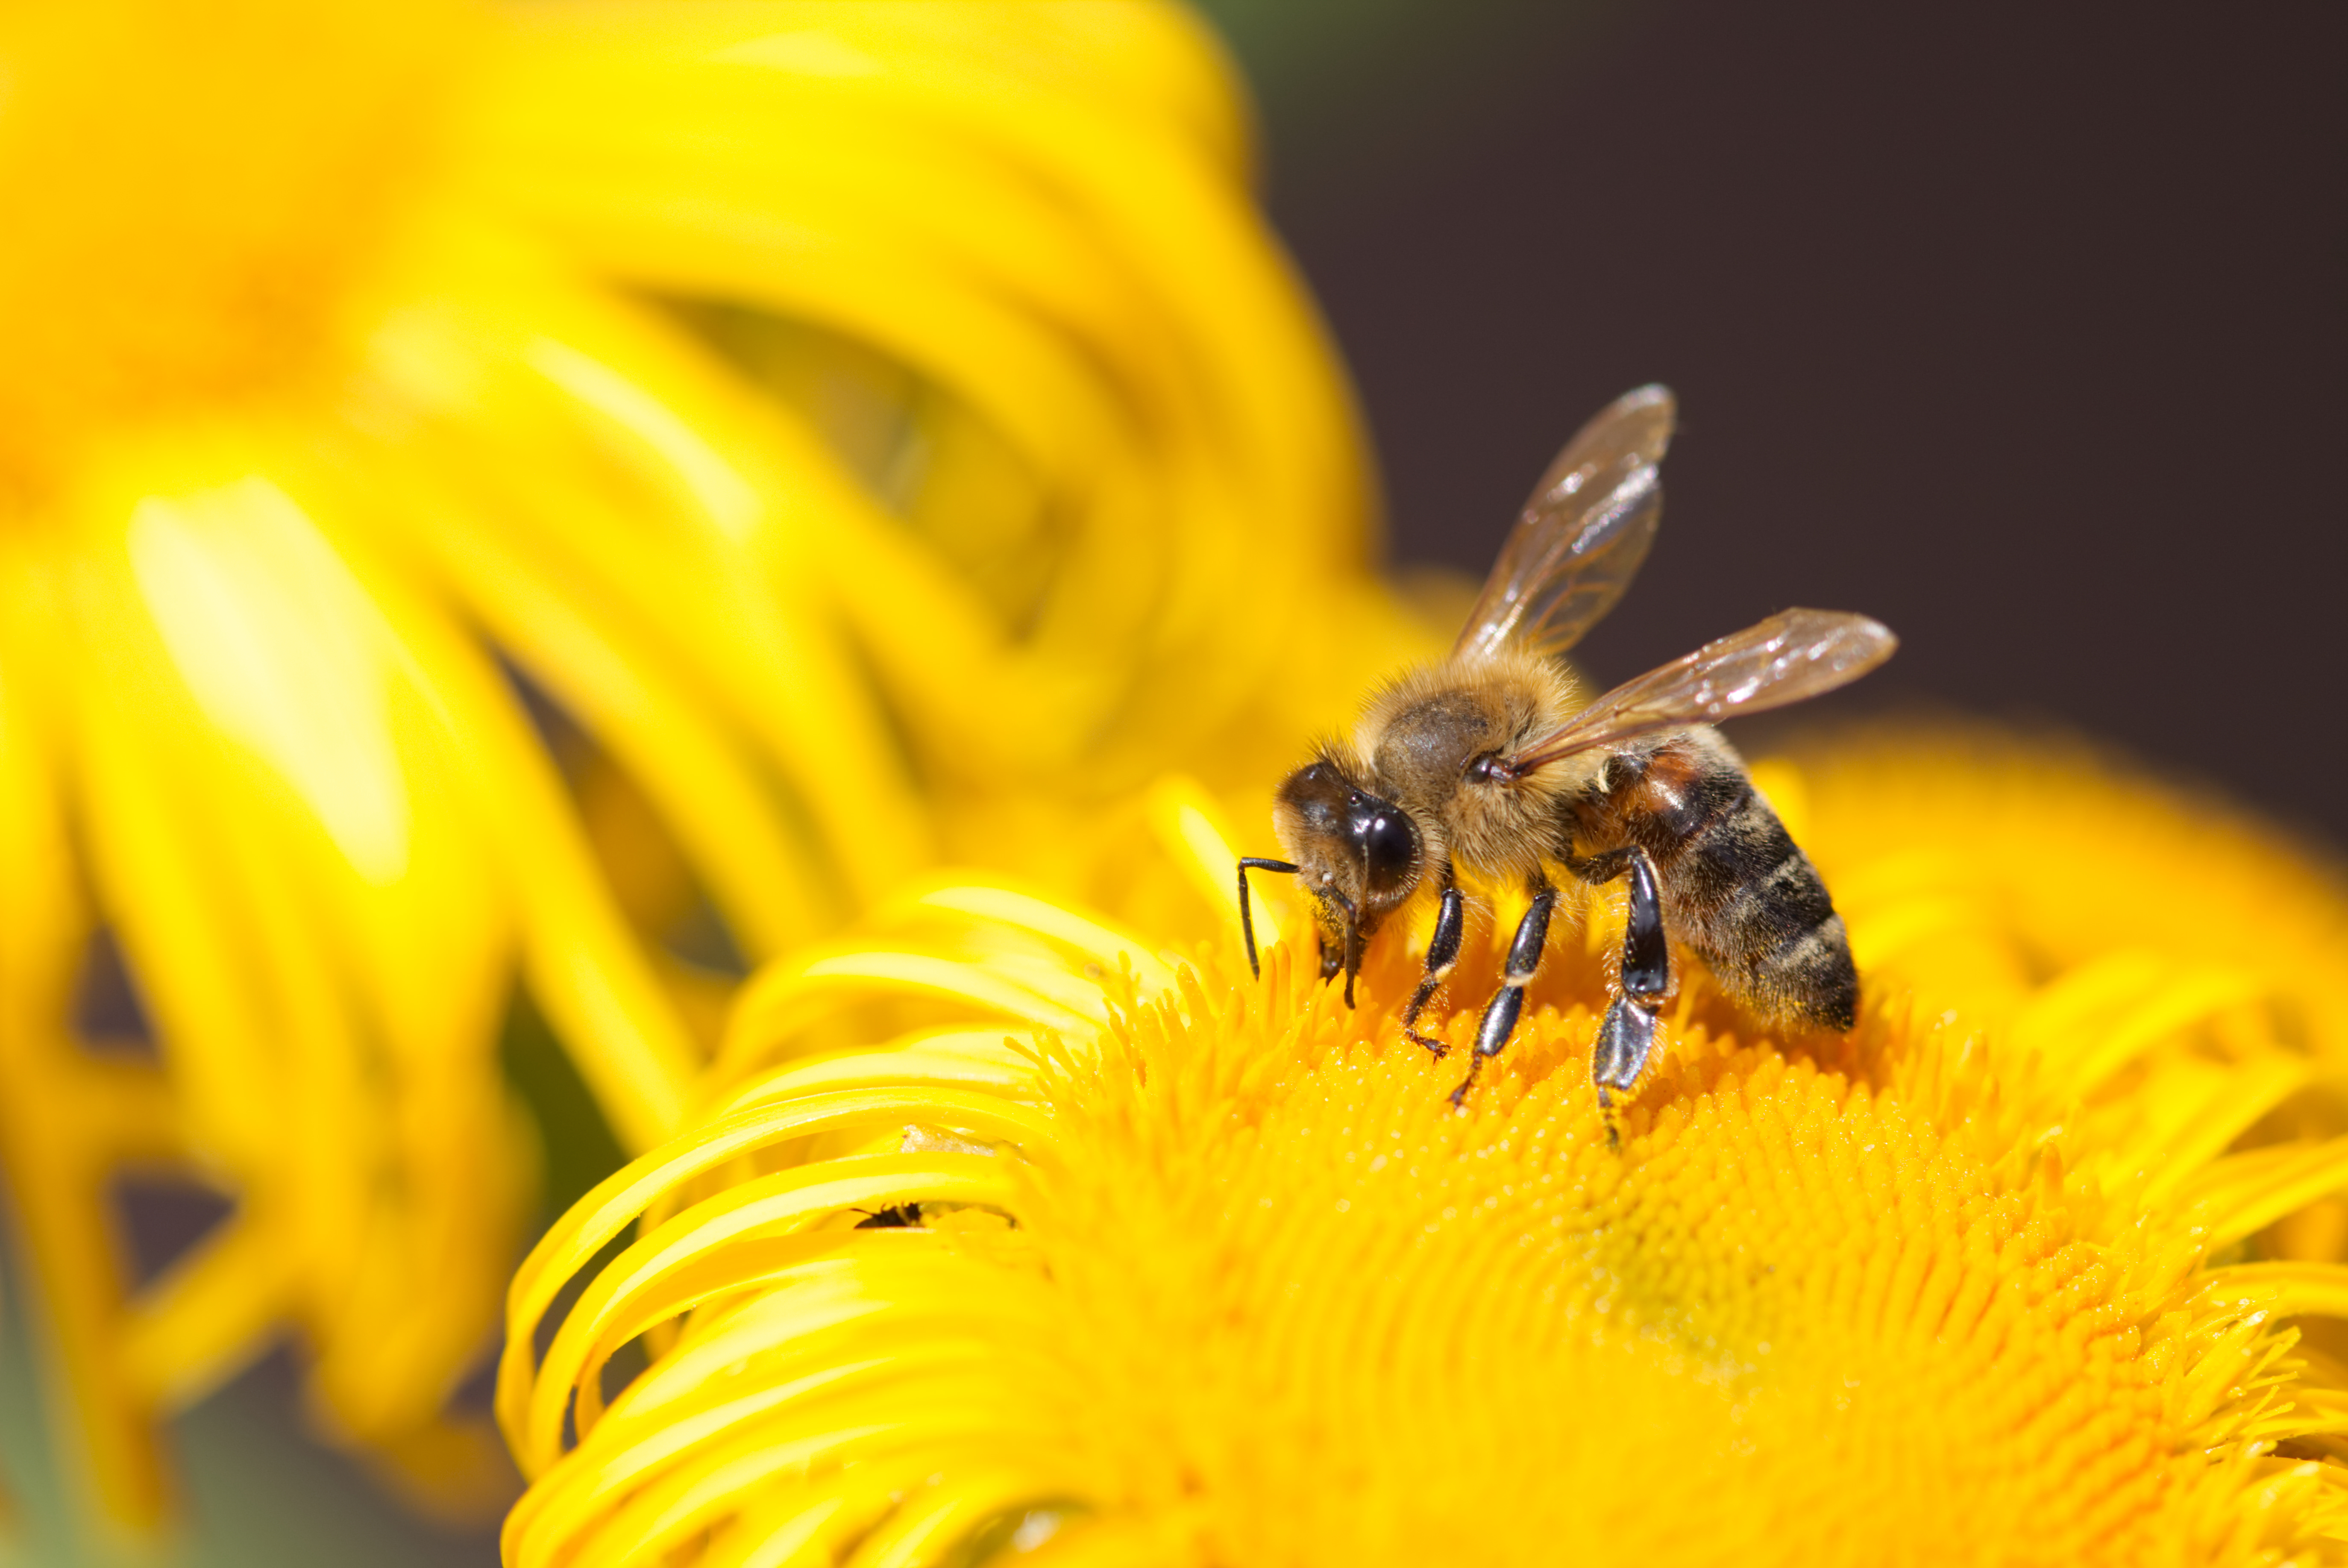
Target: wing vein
1581,535
1789,658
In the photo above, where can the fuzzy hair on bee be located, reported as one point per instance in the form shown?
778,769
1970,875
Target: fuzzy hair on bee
1737,889
1497,763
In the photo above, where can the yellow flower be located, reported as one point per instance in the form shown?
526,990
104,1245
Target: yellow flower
862,423
1012,1234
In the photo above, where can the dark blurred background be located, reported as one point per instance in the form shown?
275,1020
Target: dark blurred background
2021,326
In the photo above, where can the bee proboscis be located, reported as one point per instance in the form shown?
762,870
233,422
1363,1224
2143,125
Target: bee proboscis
1493,762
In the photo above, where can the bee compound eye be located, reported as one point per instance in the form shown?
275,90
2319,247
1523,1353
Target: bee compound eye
1389,847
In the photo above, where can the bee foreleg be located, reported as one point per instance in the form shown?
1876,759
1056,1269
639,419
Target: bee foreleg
1442,953
1347,954
1332,957
1353,949
1626,1036
1500,1020
1247,922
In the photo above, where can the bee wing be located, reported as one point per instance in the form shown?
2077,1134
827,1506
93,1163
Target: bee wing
1790,656
1583,534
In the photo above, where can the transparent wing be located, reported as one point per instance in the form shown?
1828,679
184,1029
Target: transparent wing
1580,538
1787,657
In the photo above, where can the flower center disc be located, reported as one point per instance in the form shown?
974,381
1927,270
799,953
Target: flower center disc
1789,1320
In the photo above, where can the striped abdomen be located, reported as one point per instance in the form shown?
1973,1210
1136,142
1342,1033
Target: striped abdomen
1737,888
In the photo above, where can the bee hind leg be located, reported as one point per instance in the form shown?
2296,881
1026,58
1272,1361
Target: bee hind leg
1626,1036
1442,953
1499,1019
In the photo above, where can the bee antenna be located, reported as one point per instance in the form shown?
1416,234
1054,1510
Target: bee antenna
1247,923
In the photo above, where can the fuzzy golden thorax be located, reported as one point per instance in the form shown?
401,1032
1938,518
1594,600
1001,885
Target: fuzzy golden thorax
1419,735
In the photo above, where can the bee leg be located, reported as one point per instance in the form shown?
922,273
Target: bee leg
1347,954
1247,922
1499,1019
1442,953
1332,959
1352,951
1626,1036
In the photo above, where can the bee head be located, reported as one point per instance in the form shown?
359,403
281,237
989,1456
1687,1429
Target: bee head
1358,855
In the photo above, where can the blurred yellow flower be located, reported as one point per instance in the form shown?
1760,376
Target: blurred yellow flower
1015,1237
870,428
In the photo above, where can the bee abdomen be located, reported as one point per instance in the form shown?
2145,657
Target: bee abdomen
1813,978
1753,905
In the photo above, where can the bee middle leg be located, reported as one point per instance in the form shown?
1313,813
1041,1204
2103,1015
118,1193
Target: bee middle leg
1442,953
1500,1020
1626,1036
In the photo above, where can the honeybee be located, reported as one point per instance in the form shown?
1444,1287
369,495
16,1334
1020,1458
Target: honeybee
1497,763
